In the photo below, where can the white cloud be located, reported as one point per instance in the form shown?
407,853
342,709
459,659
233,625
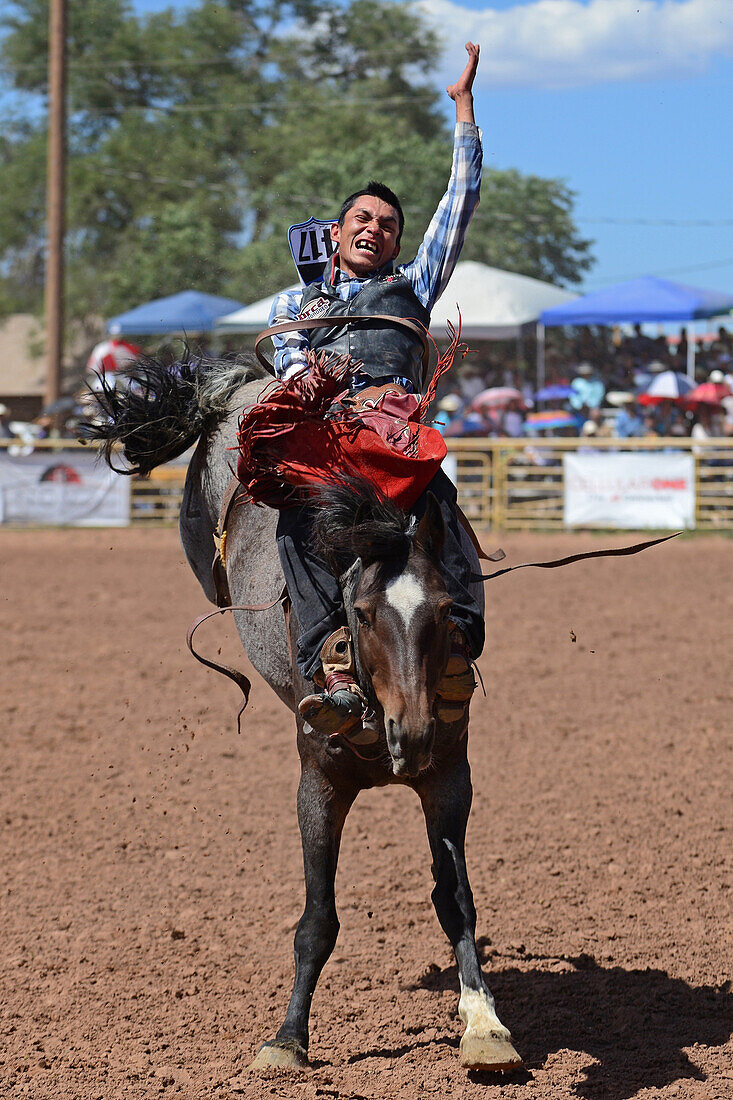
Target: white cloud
566,43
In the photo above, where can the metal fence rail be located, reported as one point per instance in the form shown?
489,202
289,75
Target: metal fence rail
158,498
502,483
519,484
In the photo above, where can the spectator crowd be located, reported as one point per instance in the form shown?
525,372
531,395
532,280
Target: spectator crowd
601,383
595,384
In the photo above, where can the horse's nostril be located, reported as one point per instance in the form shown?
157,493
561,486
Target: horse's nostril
411,749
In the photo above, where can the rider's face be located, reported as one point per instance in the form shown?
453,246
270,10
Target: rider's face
368,237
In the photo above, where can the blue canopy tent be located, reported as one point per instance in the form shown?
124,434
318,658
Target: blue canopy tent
640,300
189,312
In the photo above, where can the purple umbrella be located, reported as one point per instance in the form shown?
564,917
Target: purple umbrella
550,419
558,391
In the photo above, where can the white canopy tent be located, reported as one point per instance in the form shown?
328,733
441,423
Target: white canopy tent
494,304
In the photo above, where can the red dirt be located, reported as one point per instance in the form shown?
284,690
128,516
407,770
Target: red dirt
151,876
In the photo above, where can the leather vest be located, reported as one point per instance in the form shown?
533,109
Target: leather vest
385,350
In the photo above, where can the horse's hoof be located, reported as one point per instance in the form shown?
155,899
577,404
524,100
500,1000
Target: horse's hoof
280,1054
488,1053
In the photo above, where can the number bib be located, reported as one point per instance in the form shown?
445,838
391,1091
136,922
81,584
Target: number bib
311,247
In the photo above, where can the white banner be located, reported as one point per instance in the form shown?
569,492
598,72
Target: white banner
630,490
63,488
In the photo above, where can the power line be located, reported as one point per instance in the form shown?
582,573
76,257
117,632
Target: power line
677,223
376,54
485,214
709,266
127,63
144,177
248,104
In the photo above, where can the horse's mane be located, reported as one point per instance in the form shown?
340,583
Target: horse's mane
352,520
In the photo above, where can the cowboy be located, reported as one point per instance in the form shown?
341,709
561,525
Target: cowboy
361,279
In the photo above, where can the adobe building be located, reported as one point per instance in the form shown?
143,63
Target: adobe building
22,366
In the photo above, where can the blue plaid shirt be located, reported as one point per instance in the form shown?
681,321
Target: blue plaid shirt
429,272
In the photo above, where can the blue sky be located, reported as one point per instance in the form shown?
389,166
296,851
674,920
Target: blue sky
628,101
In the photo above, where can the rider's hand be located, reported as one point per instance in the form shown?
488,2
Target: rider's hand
462,88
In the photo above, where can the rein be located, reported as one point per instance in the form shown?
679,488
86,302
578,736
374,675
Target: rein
243,682
619,552
341,322
223,597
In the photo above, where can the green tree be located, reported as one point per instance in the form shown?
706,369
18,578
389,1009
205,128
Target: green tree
525,224
196,138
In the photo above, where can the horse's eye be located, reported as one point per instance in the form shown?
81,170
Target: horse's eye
444,609
361,616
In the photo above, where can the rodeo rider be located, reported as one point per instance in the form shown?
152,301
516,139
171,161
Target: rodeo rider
367,238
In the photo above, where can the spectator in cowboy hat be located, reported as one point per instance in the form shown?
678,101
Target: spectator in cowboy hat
449,408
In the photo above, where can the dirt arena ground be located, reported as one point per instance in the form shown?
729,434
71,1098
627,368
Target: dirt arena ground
150,872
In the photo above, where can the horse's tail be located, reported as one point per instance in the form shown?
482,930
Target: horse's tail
162,408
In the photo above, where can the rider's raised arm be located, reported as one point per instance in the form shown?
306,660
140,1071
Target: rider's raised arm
441,247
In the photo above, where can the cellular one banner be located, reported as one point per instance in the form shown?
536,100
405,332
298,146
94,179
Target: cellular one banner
630,490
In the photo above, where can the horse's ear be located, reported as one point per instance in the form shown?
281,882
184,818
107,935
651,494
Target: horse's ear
349,581
430,534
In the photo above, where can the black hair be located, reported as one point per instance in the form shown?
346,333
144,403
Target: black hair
378,191
352,520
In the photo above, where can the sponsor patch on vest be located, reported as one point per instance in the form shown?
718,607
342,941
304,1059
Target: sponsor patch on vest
316,308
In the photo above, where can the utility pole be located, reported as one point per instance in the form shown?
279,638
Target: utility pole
55,198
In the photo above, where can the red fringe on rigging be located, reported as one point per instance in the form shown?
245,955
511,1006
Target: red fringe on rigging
302,434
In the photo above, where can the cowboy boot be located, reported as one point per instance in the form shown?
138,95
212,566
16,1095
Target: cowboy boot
341,707
457,683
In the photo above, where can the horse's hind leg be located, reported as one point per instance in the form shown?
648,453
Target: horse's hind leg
446,800
322,812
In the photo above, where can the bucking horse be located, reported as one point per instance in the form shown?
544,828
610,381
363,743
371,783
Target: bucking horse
398,609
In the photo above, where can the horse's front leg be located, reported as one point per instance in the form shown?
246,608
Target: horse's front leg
446,800
322,812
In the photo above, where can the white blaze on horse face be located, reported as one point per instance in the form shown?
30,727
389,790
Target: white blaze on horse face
477,1010
405,594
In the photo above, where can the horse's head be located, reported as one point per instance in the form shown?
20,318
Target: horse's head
401,607
400,612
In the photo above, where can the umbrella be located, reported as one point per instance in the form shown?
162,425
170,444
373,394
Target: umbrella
111,355
498,397
549,419
670,385
707,393
556,392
